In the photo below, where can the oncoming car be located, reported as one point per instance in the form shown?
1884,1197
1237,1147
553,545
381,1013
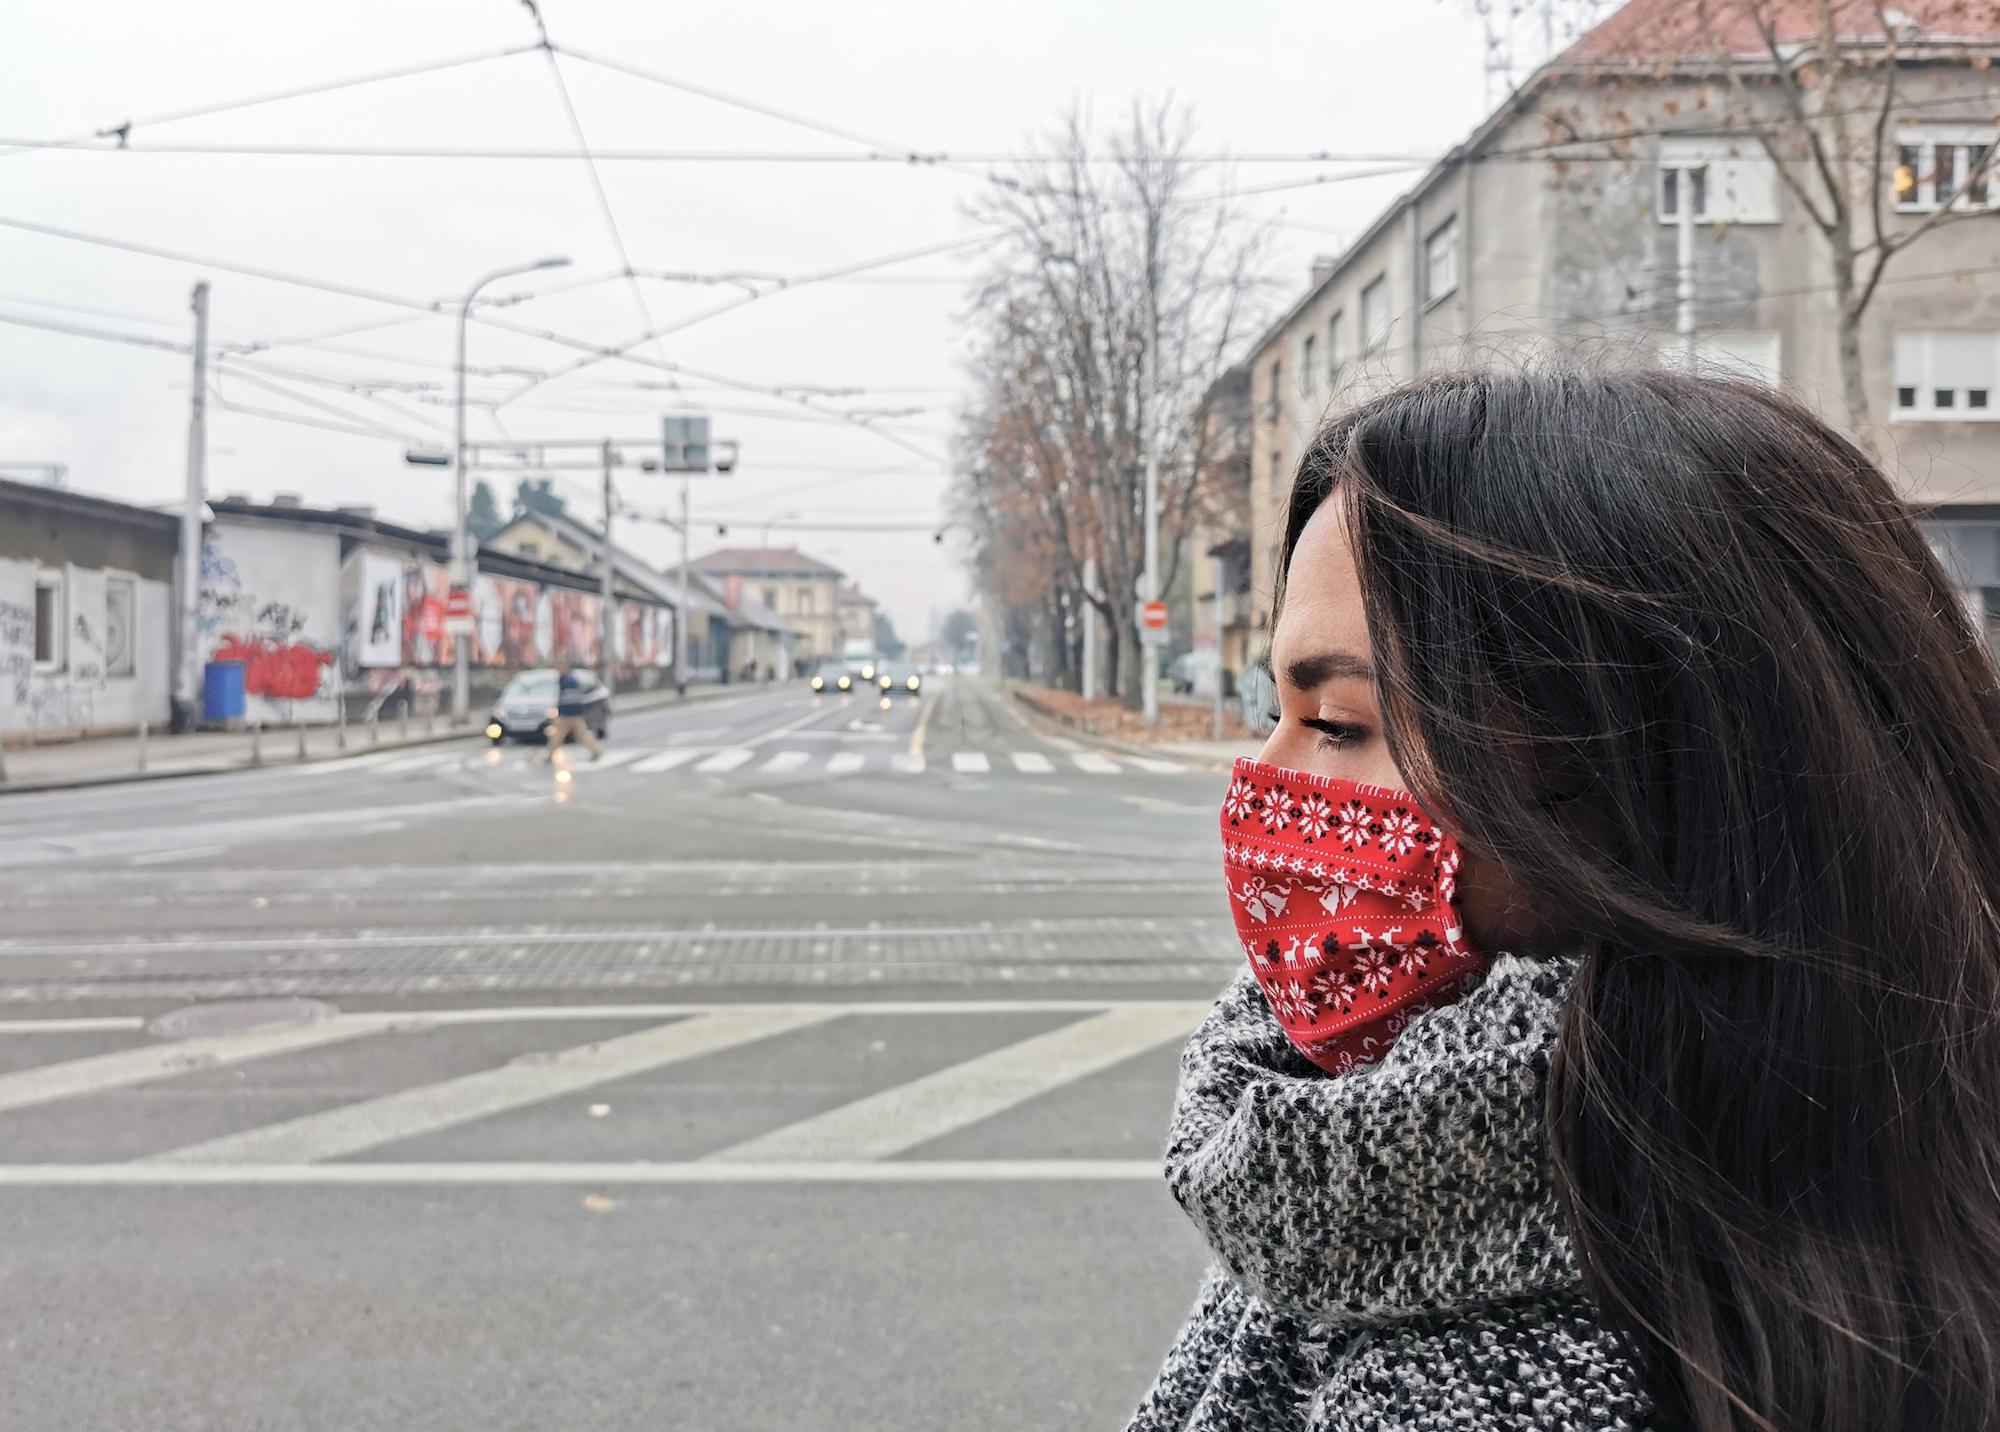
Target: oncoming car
833,676
528,703
897,679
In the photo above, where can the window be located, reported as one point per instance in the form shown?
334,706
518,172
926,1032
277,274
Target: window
1277,388
1336,344
120,615
806,602
49,629
1375,314
1441,260
1308,373
1727,180
1939,165
1277,477
771,598
1947,374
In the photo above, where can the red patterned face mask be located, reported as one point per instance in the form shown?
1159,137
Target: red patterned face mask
1342,895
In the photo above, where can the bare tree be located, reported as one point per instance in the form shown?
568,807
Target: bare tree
1102,251
1821,88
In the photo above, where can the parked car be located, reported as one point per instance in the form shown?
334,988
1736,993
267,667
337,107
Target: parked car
528,703
833,676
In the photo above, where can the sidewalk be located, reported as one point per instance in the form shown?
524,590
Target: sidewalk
1185,731
112,759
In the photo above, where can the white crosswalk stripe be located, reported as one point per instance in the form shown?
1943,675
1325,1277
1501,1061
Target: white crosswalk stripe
1032,763
723,761
419,763
1156,766
904,764
875,1129
665,761
845,763
970,763
1092,764
618,757
787,761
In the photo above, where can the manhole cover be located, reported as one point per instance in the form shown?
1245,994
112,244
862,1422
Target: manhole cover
234,1016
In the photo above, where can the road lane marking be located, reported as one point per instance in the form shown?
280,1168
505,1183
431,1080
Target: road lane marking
1033,763
970,763
787,761
728,760
190,852
1155,765
907,764
842,763
26,1088
472,1175
916,751
1092,764
618,758
896,1120
419,763
352,1128
666,761
412,1021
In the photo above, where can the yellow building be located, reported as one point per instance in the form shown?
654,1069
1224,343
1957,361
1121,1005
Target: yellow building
803,591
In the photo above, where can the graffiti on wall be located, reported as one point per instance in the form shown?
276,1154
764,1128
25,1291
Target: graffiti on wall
280,662
17,646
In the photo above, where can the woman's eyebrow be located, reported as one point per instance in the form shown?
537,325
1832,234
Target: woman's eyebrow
1310,671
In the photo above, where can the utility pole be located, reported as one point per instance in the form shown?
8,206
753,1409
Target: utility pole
607,658
1149,654
1221,583
1684,319
188,679
1089,629
681,616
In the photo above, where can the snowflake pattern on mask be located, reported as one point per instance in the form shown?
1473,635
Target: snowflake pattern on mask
1342,895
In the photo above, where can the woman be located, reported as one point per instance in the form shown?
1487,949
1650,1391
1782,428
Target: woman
1680,1108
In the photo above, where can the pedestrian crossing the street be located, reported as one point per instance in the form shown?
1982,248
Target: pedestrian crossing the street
866,1091
777,760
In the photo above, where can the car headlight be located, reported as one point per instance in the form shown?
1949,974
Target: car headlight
885,682
845,683
867,673
495,730
914,683
818,685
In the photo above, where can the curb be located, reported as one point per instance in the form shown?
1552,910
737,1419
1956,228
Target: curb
1044,717
123,778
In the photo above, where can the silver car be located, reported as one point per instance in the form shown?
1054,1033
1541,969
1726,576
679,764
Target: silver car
528,703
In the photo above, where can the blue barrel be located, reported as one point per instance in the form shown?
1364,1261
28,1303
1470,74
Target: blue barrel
222,691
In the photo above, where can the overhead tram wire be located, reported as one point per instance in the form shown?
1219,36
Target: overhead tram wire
123,131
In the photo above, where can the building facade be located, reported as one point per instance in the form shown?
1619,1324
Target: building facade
86,614
1513,249
802,590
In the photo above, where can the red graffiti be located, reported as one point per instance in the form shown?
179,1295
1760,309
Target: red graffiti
286,671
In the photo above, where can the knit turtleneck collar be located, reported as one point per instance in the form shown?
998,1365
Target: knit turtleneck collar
1413,1186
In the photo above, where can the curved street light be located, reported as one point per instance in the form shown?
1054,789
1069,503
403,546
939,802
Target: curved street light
461,546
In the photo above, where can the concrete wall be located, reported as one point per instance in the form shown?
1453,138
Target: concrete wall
84,692
270,598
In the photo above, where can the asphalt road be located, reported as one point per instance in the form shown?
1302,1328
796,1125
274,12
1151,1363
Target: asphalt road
802,1064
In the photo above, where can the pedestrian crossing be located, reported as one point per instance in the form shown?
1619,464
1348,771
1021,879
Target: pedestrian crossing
999,1088
778,760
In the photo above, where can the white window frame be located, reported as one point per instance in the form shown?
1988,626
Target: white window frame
56,580
1375,294
1921,348
129,583
1965,141
1734,180
1441,244
1336,343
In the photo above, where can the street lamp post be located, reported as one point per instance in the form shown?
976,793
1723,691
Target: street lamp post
461,543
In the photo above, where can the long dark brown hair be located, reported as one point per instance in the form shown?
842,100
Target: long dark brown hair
1673,656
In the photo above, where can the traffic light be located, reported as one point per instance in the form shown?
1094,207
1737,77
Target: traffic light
684,444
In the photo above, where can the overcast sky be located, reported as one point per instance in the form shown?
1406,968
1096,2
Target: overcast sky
944,75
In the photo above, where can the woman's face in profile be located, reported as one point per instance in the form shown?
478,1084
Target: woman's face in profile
1329,723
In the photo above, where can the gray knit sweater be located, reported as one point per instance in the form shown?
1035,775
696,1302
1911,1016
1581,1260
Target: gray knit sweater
1391,1252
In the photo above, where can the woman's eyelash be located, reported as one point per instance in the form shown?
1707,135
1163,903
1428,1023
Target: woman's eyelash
1333,734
